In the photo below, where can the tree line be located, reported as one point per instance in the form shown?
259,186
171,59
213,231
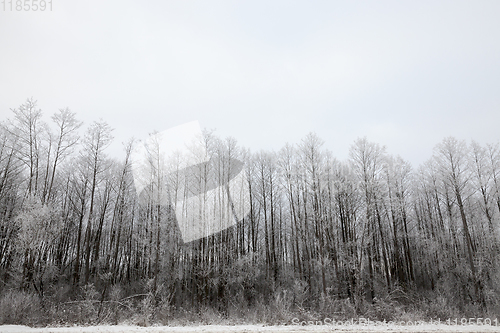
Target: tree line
317,228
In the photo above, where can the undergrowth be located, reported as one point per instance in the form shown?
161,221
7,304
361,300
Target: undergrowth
90,306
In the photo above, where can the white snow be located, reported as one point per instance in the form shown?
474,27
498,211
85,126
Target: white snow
442,328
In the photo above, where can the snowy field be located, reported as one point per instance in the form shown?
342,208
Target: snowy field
253,328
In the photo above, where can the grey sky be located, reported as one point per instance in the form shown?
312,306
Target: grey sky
404,73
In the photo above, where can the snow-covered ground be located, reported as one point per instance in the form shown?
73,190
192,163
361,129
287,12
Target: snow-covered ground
253,328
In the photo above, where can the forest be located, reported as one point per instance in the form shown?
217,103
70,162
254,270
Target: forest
370,236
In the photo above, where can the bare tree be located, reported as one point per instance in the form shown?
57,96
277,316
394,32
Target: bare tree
451,156
97,138
66,139
26,127
368,161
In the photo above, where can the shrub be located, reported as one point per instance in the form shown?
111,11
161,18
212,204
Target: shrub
20,308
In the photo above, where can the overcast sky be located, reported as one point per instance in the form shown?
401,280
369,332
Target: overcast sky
405,74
